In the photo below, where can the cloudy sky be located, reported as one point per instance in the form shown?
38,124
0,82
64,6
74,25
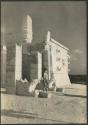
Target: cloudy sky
65,20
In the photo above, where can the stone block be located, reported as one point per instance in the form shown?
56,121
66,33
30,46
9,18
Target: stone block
10,89
33,76
43,94
10,68
59,89
22,88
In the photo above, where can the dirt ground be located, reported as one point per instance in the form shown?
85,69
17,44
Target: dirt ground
67,108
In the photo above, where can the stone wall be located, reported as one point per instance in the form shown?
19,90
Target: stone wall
36,66
26,66
32,66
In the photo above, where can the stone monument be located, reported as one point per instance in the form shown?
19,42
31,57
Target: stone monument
56,61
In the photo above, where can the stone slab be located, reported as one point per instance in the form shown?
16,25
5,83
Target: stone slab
43,94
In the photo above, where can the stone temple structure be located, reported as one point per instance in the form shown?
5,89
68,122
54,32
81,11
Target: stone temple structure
55,57
58,60
27,60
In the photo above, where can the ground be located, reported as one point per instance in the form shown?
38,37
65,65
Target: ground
67,108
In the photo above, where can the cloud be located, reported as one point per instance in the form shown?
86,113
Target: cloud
77,51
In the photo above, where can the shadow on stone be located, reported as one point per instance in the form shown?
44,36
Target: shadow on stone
69,95
17,114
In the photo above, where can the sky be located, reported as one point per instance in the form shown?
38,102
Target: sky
65,20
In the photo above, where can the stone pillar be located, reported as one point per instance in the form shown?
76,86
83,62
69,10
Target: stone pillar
49,66
35,65
47,55
14,67
46,61
27,29
39,65
48,36
3,66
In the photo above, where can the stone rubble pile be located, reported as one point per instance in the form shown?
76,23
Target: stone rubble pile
26,88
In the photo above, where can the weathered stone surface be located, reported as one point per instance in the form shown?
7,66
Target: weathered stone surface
40,46
43,94
22,88
10,78
36,66
11,89
32,66
3,66
45,59
55,59
27,29
13,67
33,85
26,66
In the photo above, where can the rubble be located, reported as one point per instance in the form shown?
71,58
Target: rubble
52,85
33,85
24,81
